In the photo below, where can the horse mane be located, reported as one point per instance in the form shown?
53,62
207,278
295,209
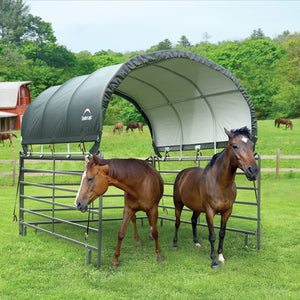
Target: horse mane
241,131
121,169
213,160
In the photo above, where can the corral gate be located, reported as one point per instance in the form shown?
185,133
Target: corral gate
47,212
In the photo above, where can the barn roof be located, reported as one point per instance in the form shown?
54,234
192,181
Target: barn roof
9,93
186,99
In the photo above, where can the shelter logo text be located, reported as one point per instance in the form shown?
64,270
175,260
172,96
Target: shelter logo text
87,115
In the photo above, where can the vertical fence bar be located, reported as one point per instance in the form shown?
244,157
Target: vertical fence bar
14,169
53,193
277,163
258,201
99,231
21,193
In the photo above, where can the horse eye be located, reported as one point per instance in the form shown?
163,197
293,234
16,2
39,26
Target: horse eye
90,179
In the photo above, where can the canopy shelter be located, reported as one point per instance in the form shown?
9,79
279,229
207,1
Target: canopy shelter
186,99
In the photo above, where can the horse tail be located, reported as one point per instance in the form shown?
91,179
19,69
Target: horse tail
17,137
176,196
291,125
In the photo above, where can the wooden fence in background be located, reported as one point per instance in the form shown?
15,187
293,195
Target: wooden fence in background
276,170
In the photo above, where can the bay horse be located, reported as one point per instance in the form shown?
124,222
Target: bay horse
288,123
7,136
119,127
133,126
212,190
143,187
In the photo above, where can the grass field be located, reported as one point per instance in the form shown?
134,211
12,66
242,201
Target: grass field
39,266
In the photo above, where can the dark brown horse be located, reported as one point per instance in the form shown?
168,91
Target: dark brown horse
288,123
119,127
7,136
134,126
143,187
212,190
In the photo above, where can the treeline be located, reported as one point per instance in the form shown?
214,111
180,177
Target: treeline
269,69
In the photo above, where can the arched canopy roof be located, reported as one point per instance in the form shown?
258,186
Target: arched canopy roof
186,99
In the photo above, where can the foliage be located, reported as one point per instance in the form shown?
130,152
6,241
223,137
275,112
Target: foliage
268,69
13,21
184,42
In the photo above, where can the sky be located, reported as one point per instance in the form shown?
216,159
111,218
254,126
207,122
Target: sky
125,26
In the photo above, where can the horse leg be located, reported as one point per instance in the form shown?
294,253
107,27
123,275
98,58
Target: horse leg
224,219
127,216
212,238
152,217
194,226
178,211
136,235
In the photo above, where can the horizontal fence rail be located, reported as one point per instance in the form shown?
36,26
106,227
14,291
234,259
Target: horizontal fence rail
39,158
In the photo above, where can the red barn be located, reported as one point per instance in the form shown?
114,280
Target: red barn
14,99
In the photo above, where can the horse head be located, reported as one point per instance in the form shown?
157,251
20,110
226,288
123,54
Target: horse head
241,149
94,183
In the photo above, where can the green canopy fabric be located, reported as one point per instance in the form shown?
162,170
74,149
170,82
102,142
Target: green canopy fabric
186,99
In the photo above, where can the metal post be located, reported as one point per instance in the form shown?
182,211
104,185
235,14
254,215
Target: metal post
99,231
258,202
21,193
53,193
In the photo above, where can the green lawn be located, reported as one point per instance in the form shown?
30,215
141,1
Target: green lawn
39,266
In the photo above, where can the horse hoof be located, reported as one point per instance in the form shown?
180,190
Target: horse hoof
138,242
198,245
216,266
175,248
160,259
115,265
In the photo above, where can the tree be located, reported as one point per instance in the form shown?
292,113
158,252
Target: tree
184,42
13,21
164,45
257,34
18,26
37,31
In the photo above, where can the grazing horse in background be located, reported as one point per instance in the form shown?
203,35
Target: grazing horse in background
212,190
133,126
288,123
7,136
143,187
119,127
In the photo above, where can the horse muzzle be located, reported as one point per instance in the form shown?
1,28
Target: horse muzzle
251,172
82,206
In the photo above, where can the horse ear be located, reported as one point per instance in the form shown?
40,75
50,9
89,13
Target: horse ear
95,159
229,133
86,159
